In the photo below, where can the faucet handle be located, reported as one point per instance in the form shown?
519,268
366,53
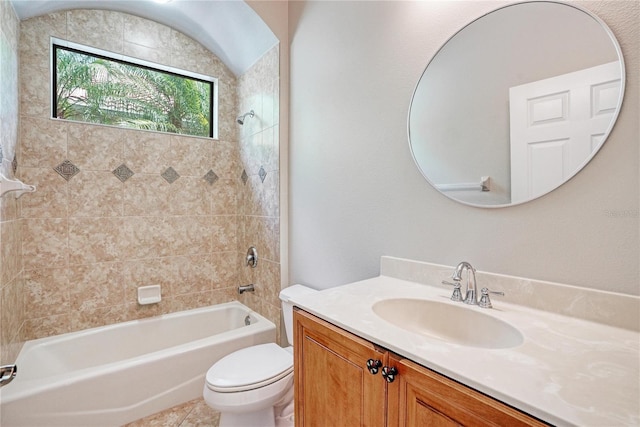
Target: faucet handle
485,301
457,295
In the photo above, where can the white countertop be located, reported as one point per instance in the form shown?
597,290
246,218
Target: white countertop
567,371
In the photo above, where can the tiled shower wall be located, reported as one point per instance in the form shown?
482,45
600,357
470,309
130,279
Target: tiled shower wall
259,215
90,240
11,285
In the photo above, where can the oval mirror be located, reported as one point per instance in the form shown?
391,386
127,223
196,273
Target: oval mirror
516,103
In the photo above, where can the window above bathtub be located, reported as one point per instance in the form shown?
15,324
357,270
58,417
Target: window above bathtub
96,86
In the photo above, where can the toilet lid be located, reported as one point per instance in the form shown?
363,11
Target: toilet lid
249,367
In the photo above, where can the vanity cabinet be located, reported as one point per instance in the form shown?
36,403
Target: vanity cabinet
334,386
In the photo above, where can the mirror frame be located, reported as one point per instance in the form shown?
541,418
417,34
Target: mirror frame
614,119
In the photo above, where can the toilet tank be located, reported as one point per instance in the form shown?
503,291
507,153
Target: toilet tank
287,307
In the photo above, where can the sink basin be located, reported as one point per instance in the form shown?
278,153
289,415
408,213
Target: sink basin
461,324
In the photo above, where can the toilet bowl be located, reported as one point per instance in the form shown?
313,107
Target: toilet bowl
253,387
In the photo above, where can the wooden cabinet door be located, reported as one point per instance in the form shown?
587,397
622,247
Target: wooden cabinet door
421,397
333,386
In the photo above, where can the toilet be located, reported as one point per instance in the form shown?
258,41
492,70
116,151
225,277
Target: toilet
253,387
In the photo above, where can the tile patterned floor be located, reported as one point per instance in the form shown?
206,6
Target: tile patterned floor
194,413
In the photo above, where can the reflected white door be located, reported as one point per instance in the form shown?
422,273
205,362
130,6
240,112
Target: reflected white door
556,126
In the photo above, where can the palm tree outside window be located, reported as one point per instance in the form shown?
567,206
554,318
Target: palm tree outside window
93,87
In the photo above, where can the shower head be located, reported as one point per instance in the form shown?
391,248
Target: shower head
240,119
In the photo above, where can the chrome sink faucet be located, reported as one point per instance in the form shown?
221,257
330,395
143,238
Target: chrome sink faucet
470,295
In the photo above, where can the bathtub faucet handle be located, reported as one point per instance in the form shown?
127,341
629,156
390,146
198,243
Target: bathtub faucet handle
252,257
246,288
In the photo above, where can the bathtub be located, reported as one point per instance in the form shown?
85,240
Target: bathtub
112,375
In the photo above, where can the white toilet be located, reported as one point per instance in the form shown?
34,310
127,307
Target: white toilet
253,387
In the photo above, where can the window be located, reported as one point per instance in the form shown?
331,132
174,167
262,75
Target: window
96,86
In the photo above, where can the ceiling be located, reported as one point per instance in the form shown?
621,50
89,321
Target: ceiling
230,29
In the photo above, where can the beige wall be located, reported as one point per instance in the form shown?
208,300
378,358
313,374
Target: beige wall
89,242
356,194
11,283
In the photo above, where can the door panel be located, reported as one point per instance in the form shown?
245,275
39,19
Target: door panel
575,109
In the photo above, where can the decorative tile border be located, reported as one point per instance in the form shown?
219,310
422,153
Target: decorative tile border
211,177
170,175
123,173
66,169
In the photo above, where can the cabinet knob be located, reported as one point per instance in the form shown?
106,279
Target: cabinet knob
373,366
389,373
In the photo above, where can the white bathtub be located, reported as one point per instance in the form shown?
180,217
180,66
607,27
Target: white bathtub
116,374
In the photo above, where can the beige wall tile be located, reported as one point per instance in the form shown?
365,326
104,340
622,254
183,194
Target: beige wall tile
11,319
147,152
97,28
224,269
225,160
190,301
51,198
47,292
224,197
35,98
44,242
146,237
43,141
143,52
35,35
97,316
190,195
190,156
220,296
95,194
224,230
95,240
136,311
95,147
261,233
46,326
10,239
146,194
191,274
145,32
192,235
95,285
228,107
188,54
147,272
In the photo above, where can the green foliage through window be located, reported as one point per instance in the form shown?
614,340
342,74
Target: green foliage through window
97,89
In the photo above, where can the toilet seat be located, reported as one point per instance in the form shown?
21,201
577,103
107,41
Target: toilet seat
250,368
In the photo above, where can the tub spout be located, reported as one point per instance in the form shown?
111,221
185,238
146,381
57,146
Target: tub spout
246,288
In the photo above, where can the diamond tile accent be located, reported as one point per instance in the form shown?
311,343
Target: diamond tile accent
1,155
244,176
14,165
170,175
66,169
122,172
211,177
262,173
